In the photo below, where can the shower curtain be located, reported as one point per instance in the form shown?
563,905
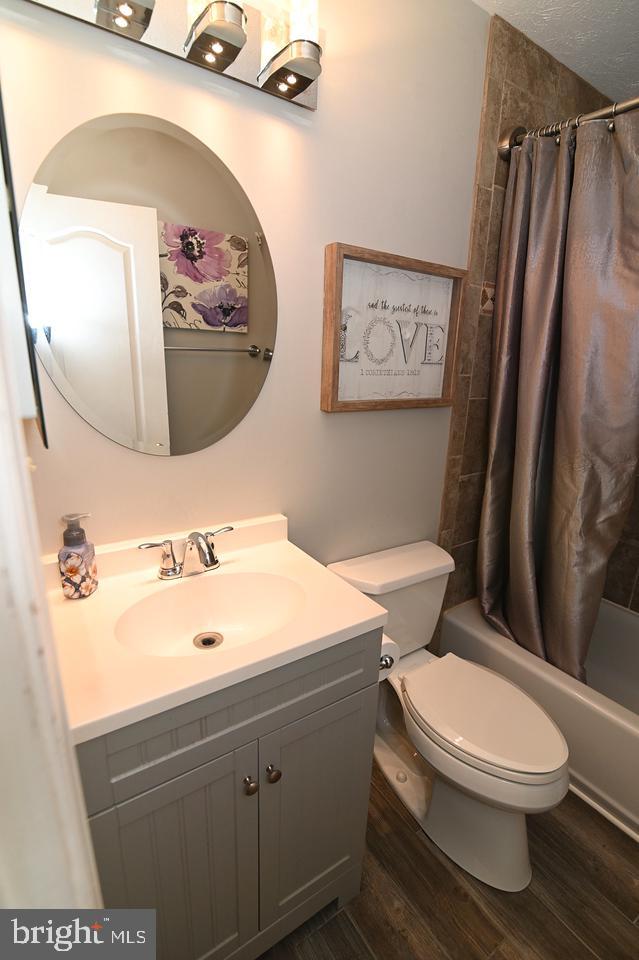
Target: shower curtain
564,407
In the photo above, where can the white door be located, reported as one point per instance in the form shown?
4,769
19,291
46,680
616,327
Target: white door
93,288
46,858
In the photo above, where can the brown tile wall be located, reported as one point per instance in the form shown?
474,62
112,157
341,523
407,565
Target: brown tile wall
524,86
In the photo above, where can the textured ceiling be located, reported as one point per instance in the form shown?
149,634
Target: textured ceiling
598,39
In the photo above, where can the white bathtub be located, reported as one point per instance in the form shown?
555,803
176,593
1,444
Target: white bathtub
602,733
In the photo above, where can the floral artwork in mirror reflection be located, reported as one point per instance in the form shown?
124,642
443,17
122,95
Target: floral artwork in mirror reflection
204,278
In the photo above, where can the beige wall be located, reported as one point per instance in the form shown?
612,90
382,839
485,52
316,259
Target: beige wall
386,162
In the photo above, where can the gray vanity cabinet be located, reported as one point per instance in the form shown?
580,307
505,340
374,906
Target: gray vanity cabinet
312,819
187,849
239,815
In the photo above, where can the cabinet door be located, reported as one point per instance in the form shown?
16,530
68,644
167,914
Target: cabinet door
188,848
313,818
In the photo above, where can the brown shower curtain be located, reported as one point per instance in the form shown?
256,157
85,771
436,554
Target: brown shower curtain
564,408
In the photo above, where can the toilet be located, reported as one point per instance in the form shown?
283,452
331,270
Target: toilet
466,751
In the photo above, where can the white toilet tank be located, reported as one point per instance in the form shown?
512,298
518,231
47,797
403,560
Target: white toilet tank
409,581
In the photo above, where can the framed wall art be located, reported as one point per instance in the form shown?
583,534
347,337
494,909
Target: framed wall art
390,331
204,279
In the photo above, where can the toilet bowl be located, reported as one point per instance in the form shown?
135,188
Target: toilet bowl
467,751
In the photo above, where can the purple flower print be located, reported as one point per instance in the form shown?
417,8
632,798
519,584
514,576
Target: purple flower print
222,307
196,253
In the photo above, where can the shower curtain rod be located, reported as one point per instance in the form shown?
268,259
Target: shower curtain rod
514,137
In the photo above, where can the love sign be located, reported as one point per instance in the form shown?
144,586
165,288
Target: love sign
390,326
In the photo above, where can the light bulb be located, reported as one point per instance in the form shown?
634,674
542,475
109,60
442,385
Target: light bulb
282,87
210,57
217,47
125,9
291,79
121,22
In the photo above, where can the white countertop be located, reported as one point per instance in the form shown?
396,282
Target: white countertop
108,685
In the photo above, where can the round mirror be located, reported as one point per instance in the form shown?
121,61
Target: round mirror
150,287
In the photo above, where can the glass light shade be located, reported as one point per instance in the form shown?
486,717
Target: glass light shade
304,20
275,36
194,8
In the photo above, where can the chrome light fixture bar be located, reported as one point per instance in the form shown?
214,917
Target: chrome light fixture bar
130,17
217,36
292,70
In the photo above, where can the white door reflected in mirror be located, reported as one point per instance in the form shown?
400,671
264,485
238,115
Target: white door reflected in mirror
93,276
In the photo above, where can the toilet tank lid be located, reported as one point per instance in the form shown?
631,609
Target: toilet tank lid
378,573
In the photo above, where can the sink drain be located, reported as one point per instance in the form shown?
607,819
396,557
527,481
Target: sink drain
208,640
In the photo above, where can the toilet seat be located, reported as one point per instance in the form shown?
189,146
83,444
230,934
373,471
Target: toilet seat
483,720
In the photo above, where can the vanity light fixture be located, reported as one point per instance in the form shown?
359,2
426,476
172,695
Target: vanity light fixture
296,65
121,15
301,56
218,32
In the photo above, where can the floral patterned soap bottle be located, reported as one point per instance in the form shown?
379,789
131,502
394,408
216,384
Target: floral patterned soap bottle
76,560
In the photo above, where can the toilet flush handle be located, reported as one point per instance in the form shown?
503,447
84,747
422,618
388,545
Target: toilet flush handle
386,662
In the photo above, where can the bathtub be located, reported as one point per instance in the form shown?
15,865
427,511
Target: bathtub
600,721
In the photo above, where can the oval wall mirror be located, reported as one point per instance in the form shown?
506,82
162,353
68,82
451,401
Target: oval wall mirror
150,286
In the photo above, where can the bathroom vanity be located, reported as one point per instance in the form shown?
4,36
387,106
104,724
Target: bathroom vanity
238,812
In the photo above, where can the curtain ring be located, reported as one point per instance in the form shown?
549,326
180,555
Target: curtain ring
578,120
611,125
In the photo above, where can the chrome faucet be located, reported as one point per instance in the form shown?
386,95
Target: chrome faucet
199,555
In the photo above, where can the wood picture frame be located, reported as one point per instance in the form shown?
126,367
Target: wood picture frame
402,324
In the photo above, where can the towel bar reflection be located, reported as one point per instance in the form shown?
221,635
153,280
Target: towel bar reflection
253,350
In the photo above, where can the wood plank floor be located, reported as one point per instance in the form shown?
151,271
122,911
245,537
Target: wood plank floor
582,903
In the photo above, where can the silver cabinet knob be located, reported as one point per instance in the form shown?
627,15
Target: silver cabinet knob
272,774
251,786
386,662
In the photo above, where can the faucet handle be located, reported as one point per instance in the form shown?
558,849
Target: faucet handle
214,533
209,539
169,568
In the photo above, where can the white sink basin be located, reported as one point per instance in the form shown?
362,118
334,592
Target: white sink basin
238,607
127,653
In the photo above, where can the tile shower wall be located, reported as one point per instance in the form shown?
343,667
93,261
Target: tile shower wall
523,86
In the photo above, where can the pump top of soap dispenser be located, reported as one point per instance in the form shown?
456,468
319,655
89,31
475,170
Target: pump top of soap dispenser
74,534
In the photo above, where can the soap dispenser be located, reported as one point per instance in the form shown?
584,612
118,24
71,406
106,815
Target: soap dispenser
76,560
